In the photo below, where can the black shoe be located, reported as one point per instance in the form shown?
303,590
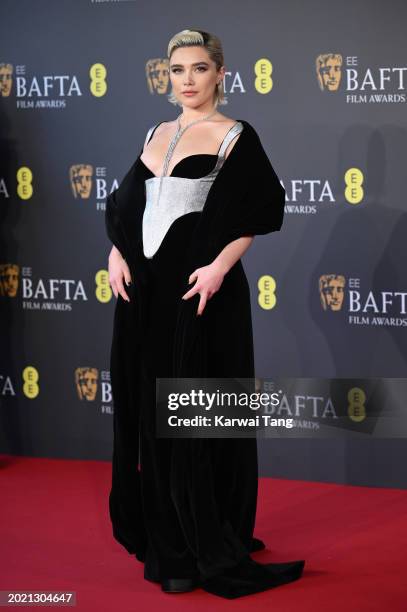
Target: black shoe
151,566
179,585
257,544
150,577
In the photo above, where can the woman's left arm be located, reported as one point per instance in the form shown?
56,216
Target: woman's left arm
232,252
209,278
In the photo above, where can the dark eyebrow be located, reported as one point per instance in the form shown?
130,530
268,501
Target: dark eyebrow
196,64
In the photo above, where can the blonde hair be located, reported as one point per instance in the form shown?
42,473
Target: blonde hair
188,38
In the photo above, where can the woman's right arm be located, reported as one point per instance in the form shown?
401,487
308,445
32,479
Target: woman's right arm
118,268
118,271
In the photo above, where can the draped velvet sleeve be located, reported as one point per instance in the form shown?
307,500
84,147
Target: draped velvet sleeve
260,207
250,197
120,221
113,224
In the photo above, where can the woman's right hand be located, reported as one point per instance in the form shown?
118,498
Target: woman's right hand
118,272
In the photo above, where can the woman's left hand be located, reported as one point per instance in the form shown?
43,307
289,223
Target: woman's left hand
208,281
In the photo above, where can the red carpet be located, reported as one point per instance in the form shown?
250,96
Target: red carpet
56,536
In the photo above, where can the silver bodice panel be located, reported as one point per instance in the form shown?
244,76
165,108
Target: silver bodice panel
178,197
171,197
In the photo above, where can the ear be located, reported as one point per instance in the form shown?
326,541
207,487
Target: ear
222,72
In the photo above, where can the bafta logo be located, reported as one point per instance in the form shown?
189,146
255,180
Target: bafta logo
329,71
157,74
9,279
81,180
6,79
86,380
331,291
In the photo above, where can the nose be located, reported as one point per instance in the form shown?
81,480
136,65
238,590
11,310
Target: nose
188,79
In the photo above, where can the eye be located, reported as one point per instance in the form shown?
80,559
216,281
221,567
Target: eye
176,70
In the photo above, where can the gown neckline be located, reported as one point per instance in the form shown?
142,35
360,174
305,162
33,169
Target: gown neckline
177,164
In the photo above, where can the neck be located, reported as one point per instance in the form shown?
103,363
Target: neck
192,114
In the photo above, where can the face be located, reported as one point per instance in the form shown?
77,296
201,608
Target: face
9,280
81,179
191,69
330,73
158,73
86,380
6,73
333,293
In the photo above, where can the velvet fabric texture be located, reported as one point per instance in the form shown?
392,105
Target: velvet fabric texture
212,482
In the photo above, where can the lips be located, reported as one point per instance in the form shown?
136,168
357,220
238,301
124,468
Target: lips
187,92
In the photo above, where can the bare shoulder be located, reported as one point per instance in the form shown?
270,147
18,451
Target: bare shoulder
164,126
160,128
222,122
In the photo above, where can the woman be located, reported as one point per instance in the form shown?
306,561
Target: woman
180,221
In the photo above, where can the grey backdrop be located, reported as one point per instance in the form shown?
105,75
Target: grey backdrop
56,307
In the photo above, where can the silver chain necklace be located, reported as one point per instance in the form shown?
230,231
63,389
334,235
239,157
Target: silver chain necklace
174,142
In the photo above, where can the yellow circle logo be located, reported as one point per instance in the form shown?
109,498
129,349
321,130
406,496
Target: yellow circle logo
24,183
263,69
98,85
103,288
30,378
267,292
354,191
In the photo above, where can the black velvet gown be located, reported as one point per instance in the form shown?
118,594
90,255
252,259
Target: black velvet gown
168,555
224,517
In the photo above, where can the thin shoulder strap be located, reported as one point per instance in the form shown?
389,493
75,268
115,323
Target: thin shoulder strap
149,134
234,130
